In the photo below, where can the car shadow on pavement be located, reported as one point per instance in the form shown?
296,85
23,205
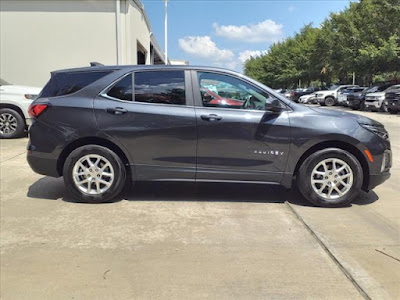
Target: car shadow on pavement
53,189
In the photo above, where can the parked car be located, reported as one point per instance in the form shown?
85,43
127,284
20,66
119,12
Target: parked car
330,97
14,103
305,99
296,94
376,101
342,98
356,100
287,94
392,98
105,132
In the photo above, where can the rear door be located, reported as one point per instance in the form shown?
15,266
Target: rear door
239,142
151,114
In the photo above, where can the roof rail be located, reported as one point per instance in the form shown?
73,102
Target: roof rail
95,64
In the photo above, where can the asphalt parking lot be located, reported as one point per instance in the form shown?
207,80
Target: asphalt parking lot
168,241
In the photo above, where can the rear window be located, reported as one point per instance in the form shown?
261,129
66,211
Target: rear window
62,84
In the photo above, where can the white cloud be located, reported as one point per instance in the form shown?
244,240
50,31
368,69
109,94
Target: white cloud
245,55
266,31
204,47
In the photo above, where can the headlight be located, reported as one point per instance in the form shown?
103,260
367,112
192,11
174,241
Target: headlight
30,96
378,130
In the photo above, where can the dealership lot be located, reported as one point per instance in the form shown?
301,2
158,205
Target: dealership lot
200,241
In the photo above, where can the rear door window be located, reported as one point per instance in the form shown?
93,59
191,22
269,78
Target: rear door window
66,83
165,87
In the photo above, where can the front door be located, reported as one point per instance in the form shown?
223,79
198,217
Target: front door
237,138
154,121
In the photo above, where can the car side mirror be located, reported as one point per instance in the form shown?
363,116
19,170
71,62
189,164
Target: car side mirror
274,106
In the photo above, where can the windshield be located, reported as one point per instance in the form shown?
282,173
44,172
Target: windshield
3,82
394,87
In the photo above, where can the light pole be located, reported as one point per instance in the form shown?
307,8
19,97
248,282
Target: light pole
166,32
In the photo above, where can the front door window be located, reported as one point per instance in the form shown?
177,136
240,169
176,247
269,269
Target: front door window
218,90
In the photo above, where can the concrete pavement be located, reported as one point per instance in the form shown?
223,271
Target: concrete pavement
199,241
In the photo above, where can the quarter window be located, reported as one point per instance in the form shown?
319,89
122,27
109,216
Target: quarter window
65,83
167,87
122,89
218,90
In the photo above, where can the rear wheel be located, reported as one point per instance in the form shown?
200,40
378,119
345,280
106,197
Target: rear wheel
94,174
329,101
330,178
12,124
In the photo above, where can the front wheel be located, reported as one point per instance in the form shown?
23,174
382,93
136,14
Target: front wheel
384,107
94,174
329,101
330,178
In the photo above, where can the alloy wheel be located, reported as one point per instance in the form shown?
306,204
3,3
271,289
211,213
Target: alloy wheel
93,174
8,123
332,178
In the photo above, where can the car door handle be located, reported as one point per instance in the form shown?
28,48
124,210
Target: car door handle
117,110
211,118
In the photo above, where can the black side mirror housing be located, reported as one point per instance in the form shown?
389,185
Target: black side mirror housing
274,106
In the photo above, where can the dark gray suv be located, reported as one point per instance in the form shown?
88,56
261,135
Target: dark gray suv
104,125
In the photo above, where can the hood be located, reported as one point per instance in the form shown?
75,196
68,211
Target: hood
330,92
341,114
20,89
377,94
308,96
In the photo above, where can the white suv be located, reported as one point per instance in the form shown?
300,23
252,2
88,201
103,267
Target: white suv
330,98
14,104
376,101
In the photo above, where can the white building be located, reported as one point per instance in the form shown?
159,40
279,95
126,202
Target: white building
38,37
179,62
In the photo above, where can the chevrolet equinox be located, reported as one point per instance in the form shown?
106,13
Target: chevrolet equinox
102,126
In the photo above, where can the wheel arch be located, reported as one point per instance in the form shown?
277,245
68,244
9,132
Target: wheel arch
92,141
14,107
341,145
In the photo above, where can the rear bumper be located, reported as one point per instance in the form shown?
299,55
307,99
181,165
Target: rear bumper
42,163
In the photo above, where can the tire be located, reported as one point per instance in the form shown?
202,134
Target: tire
329,101
362,106
354,108
306,173
392,111
383,107
108,159
12,124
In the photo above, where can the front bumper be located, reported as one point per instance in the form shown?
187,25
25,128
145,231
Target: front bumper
394,104
375,180
372,104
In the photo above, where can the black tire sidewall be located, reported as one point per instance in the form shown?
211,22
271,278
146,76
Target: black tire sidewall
304,175
327,101
20,124
119,174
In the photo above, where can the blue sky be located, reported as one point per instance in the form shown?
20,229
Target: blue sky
225,33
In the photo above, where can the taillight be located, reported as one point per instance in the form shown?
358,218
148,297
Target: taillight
36,109
292,93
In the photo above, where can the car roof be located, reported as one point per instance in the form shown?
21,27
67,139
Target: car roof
142,67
